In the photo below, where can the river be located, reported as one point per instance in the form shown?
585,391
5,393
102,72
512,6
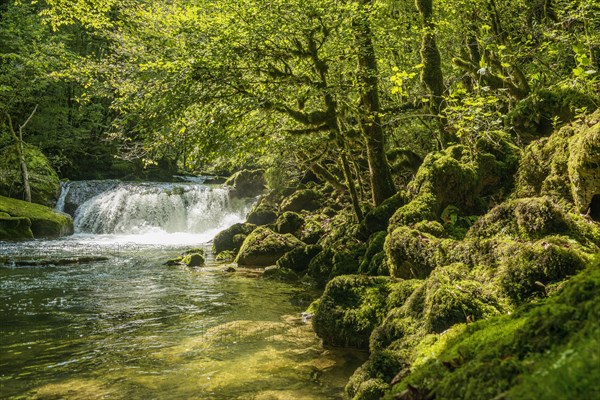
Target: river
119,324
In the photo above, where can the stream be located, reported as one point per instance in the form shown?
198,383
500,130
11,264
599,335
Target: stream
118,324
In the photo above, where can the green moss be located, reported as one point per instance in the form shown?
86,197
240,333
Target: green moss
280,274
45,222
261,215
289,222
525,269
422,207
527,218
411,253
378,218
370,381
584,165
193,260
247,183
224,240
264,247
298,259
311,231
225,256
349,310
15,228
305,199
374,248
43,180
544,350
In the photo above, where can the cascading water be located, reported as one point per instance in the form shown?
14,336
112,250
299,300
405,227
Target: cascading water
155,212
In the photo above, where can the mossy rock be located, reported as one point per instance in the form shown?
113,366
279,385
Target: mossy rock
372,379
193,260
527,218
289,222
378,218
305,199
15,228
263,247
311,231
224,240
423,207
45,222
299,258
584,167
535,115
261,215
527,269
411,253
547,349
225,256
330,263
450,179
349,309
280,274
247,183
374,248
43,180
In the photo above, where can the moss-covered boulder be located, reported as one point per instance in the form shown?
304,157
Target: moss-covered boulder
584,166
373,262
45,222
43,180
304,199
350,308
298,259
372,379
411,253
537,114
331,263
263,247
378,218
289,222
230,239
421,208
194,260
261,215
14,228
527,218
247,183
280,274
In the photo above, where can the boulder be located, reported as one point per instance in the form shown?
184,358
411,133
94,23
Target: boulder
263,247
305,199
247,183
45,222
14,228
229,239
350,308
43,180
261,215
299,258
289,222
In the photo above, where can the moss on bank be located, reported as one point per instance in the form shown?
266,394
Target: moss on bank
45,222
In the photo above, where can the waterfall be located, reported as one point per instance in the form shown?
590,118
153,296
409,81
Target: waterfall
141,208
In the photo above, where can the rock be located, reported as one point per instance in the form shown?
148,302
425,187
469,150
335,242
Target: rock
289,222
45,222
263,247
261,215
229,269
378,218
305,199
350,308
411,253
247,183
280,274
14,228
43,180
584,167
224,240
299,258
373,262
193,260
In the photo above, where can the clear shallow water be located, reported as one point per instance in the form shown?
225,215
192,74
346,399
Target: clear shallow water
128,327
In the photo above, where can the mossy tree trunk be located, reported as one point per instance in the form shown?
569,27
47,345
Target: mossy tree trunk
382,185
21,152
431,74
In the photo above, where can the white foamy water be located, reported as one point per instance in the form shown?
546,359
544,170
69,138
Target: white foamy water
161,213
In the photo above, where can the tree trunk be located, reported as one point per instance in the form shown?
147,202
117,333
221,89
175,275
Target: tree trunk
351,186
382,185
21,153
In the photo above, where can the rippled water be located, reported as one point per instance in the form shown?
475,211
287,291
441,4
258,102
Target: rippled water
127,327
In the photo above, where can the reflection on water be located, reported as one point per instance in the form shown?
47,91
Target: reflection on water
126,327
